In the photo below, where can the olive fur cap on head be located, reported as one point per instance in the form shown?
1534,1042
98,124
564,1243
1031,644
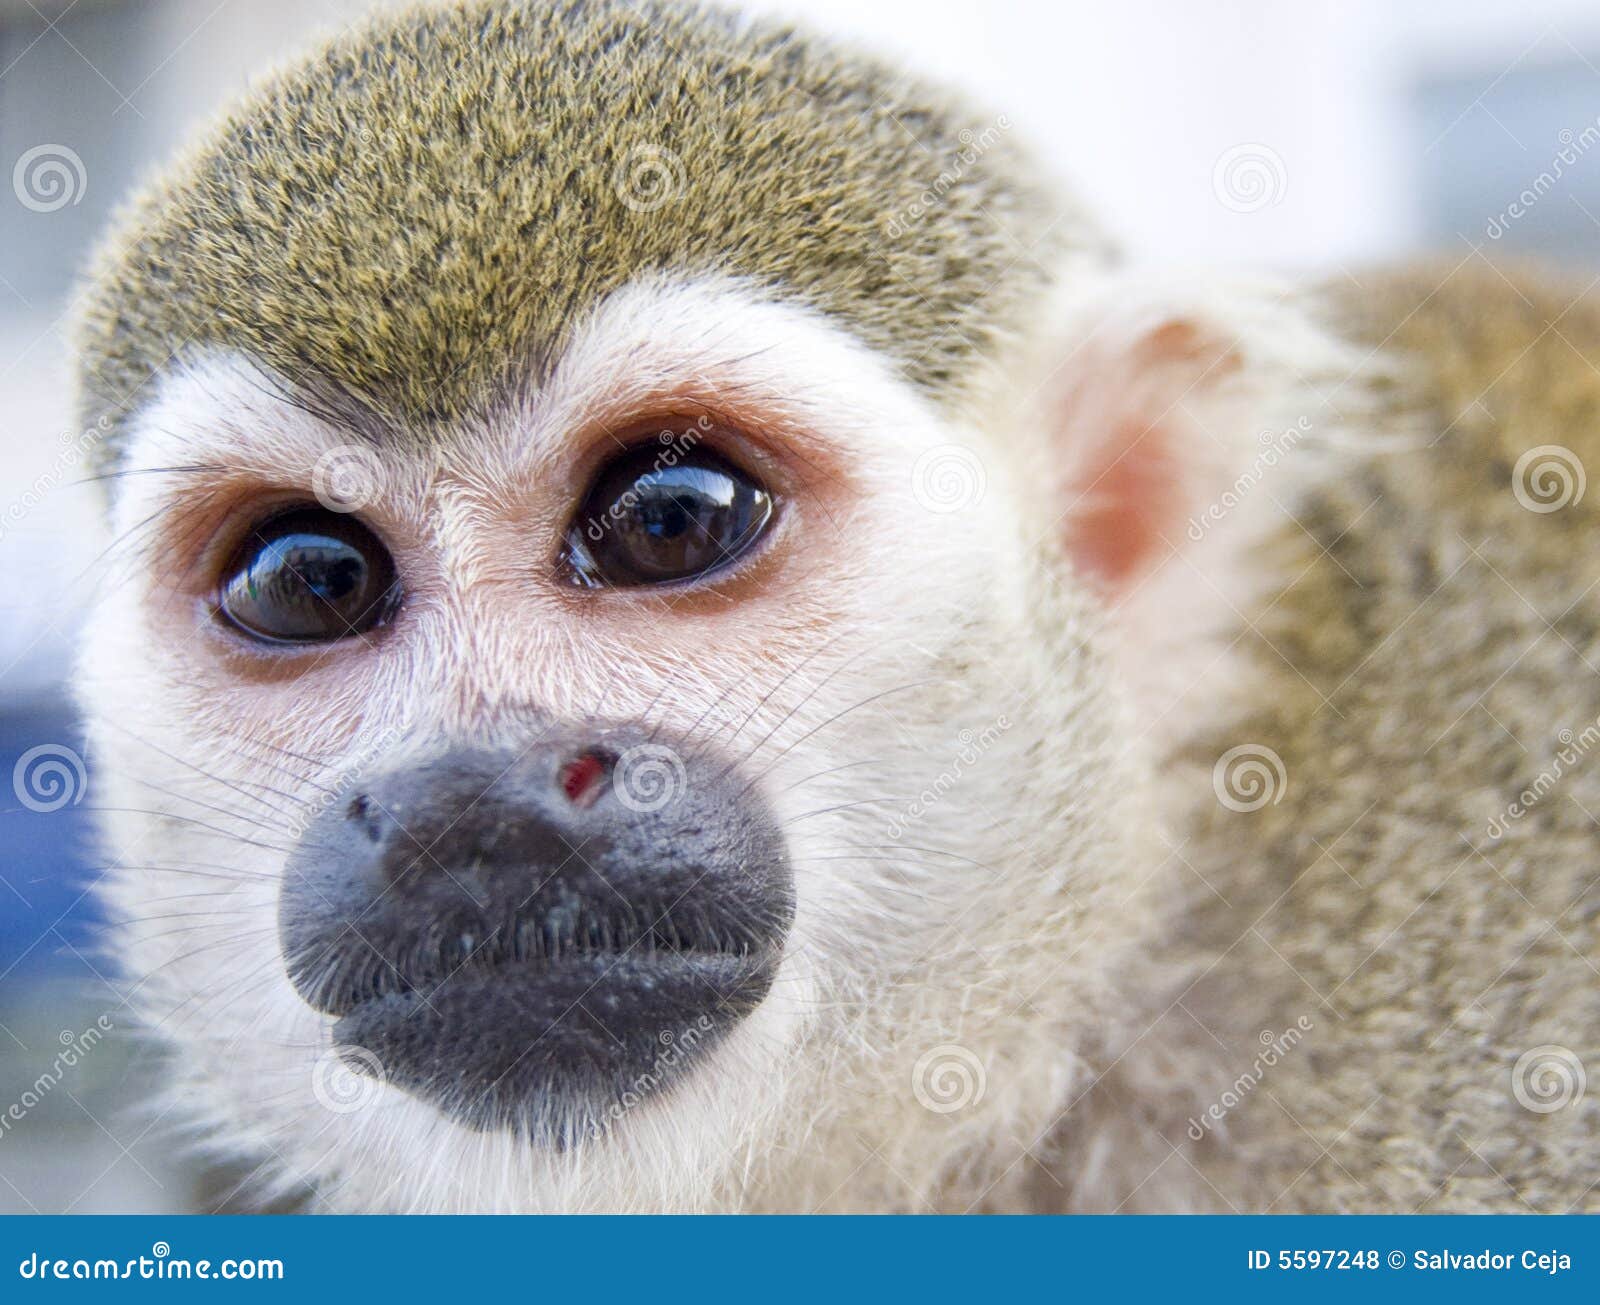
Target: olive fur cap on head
418,212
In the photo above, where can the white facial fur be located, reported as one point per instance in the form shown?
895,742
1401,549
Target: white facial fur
924,691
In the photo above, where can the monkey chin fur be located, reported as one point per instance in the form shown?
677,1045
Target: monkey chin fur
980,669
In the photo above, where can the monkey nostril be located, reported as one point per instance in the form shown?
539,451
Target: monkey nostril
582,777
361,811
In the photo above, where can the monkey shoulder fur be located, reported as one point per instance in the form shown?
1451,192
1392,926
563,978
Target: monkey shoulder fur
1415,882
690,635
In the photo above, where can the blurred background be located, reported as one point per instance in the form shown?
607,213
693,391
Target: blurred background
1299,137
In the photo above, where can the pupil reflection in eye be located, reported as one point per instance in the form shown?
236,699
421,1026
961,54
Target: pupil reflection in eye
688,497
308,576
323,568
649,523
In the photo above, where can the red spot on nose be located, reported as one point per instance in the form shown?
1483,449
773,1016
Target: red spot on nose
581,778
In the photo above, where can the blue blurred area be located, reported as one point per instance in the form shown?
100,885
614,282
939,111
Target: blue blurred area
47,859
1510,159
79,1148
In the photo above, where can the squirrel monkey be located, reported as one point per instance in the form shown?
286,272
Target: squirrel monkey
686,633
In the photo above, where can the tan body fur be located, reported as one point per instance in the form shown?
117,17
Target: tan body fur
1423,642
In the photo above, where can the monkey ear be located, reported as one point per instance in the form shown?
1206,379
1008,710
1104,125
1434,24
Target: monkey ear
1180,422
1163,402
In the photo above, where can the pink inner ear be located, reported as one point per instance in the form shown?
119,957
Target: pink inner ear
1116,531
1136,457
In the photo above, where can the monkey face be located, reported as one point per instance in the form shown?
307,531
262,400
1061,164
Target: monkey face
617,706
611,793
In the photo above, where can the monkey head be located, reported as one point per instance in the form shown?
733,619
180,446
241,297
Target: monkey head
646,552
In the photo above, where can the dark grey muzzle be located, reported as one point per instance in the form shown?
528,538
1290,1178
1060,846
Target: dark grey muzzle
533,939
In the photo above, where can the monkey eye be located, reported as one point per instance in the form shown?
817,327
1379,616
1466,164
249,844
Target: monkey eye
308,575
655,515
